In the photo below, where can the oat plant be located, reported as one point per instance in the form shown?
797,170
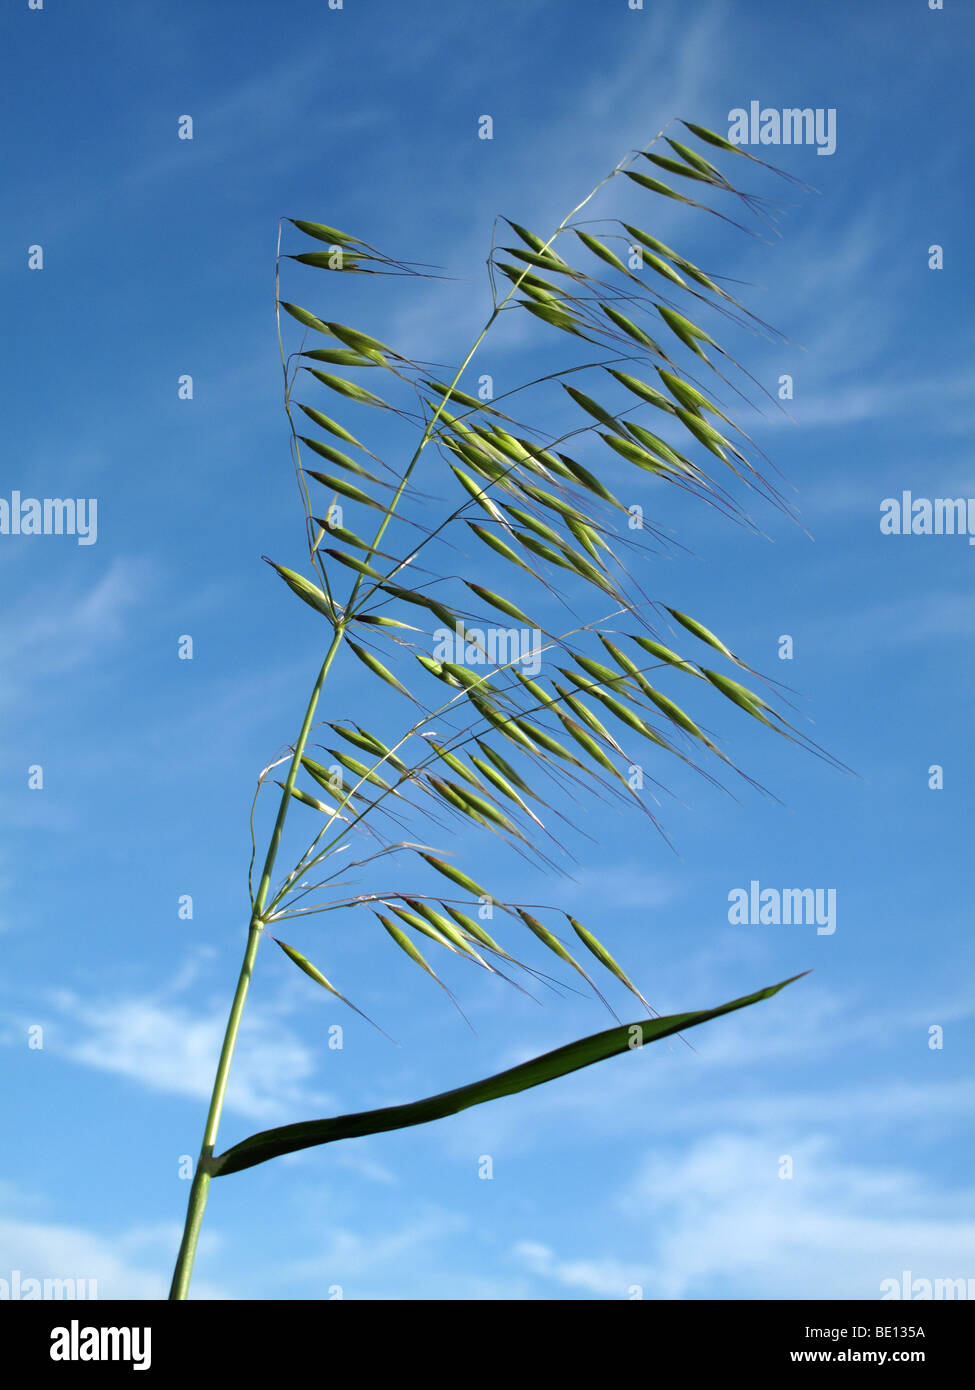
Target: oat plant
493,590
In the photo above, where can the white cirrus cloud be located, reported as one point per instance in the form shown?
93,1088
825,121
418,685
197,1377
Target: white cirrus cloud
718,1221
168,1046
133,1263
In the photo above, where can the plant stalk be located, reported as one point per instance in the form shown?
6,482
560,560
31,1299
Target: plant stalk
201,1180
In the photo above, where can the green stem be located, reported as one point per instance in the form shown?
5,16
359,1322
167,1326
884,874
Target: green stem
201,1181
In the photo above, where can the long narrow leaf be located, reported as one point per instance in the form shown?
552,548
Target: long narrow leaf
271,1143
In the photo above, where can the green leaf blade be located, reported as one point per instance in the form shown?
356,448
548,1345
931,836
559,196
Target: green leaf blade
598,1047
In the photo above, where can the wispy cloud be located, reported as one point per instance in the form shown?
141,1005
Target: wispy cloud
61,626
557,162
167,1046
127,1264
723,1220
603,1277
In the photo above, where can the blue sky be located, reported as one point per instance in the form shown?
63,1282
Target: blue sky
659,1171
